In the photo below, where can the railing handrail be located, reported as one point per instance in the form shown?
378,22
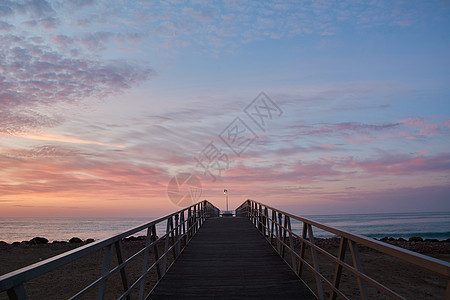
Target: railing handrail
430,263
259,214
18,277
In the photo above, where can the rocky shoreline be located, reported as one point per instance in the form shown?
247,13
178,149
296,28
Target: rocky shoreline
416,244
43,241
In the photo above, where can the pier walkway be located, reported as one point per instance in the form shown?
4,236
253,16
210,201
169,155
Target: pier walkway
229,259
261,253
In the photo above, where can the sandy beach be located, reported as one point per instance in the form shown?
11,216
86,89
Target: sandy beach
64,282
404,278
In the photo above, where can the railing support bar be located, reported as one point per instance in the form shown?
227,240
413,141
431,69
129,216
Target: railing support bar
338,271
273,228
105,269
302,249
279,234
285,226
357,264
320,294
17,293
291,244
155,250
148,241
123,273
447,291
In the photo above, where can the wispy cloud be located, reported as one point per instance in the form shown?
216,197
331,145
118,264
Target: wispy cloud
56,138
422,128
35,74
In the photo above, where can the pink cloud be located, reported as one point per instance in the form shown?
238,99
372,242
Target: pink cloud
35,74
58,171
427,129
401,164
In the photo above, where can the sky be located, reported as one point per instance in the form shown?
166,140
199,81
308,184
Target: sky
137,108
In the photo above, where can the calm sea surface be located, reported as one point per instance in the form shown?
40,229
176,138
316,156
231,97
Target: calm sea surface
426,225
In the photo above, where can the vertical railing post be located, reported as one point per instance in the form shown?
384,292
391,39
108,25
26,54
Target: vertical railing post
283,252
177,236
17,293
155,250
320,294
189,225
194,221
260,219
173,237
302,249
266,221
447,291
291,244
183,227
279,233
357,264
205,210
106,265
273,227
254,213
166,244
338,271
148,241
123,274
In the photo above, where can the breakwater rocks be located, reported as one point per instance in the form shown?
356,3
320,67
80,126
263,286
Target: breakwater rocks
418,244
43,241
72,241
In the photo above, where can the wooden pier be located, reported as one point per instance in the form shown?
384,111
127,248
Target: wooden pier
229,259
255,255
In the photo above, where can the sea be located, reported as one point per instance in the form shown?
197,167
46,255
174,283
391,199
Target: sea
432,225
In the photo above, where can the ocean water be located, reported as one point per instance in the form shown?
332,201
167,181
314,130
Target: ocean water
63,229
434,225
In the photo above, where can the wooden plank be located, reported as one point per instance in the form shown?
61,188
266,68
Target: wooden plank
230,259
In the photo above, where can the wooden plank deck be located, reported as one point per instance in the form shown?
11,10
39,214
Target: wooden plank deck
229,259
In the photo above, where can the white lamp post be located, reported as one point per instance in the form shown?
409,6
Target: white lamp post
225,192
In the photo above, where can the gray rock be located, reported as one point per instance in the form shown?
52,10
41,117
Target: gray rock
75,240
38,240
415,239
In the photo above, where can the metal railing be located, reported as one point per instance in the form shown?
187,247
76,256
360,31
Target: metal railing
181,227
276,227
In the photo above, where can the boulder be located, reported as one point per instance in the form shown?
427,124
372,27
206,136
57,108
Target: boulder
88,241
415,239
75,240
38,240
431,240
3,243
